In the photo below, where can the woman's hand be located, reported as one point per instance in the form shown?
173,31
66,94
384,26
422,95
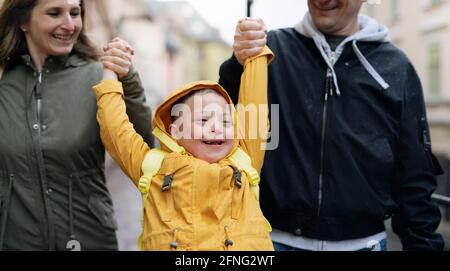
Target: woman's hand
117,59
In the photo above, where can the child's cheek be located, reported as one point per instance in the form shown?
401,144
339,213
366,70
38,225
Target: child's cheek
229,134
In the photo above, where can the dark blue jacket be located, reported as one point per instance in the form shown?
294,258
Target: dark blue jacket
345,165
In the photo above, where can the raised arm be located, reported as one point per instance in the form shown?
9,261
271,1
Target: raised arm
120,54
121,141
253,108
138,110
249,40
120,138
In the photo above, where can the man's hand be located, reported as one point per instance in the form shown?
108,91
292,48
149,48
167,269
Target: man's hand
117,58
249,38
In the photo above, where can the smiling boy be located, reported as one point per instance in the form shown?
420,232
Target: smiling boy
200,190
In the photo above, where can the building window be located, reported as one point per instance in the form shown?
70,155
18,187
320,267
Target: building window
434,70
395,10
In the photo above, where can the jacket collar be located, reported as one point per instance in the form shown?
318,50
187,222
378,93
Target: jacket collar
370,31
56,62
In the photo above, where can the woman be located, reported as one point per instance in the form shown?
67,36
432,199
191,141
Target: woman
52,184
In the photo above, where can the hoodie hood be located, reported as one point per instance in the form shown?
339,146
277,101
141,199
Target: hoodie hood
370,31
162,119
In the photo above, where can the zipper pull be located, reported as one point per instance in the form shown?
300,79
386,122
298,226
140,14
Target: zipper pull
329,84
333,61
40,78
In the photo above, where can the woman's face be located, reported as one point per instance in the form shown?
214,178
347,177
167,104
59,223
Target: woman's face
54,27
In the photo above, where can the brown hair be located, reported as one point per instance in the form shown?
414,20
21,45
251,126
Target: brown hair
13,13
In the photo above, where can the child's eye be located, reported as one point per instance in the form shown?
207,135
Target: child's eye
75,14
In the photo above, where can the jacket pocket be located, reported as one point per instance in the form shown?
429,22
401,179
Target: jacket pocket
430,161
98,199
239,183
162,196
102,210
171,190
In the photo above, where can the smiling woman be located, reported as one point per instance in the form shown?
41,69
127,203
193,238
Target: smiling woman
53,29
53,193
31,25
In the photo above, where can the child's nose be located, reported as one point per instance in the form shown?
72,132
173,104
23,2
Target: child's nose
217,127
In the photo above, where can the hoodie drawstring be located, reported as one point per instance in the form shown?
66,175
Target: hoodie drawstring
330,65
371,31
5,207
369,67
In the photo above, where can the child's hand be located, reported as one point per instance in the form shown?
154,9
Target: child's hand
117,58
249,38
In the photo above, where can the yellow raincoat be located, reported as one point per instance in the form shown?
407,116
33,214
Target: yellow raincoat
204,208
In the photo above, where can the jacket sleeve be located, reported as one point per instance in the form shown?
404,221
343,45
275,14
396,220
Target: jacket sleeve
417,216
121,140
230,77
252,108
137,109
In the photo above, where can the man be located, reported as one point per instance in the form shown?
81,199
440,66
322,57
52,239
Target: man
354,143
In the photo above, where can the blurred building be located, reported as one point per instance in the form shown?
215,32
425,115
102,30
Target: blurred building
200,49
174,44
421,29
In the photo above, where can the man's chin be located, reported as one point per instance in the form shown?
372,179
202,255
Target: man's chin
326,26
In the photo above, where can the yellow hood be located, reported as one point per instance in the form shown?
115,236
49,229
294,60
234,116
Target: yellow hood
162,119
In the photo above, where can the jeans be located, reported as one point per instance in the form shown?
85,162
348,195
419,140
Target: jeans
381,246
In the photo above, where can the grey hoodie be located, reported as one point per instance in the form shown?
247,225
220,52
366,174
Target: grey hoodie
370,30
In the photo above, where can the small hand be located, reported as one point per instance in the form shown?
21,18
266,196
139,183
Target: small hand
118,57
249,39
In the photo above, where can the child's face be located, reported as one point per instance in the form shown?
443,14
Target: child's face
208,133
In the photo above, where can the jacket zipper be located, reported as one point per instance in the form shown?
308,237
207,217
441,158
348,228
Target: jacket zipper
328,92
38,100
40,161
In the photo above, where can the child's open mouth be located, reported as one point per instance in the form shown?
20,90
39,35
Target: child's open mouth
213,142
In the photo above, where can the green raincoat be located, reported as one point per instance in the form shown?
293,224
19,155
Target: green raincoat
53,194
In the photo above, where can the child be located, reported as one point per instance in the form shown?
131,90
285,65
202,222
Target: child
200,191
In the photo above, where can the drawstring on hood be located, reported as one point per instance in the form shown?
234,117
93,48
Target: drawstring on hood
370,30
